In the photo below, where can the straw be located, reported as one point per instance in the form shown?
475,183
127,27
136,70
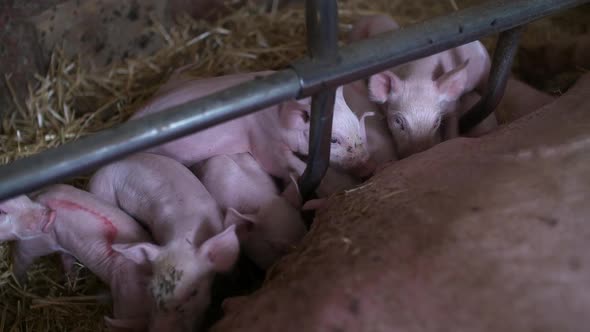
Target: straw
71,100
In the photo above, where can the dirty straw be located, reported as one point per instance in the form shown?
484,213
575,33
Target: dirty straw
71,100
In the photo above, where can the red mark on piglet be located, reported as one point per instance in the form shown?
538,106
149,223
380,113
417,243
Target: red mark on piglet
110,229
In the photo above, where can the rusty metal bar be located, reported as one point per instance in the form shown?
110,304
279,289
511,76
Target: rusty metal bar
322,43
506,48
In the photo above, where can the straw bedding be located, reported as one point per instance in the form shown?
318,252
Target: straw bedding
71,101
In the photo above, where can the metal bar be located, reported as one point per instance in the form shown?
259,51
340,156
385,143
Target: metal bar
271,6
506,48
367,57
79,157
357,60
322,43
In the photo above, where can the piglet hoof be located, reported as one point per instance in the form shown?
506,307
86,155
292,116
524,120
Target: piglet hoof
67,262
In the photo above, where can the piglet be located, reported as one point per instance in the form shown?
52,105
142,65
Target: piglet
271,135
371,25
21,219
379,140
417,95
187,226
84,227
249,195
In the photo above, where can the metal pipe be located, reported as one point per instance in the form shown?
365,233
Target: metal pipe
86,154
271,6
322,44
358,60
506,48
367,57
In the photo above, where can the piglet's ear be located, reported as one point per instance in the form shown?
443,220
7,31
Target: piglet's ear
140,253
339,96
294,114
340,103
237,218
382,85
291,192
222,250
15,204
451,85
244,223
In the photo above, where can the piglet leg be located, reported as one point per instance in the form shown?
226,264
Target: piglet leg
24,254
67,263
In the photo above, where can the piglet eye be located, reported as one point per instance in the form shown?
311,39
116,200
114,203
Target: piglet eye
334,141
399,122
436,124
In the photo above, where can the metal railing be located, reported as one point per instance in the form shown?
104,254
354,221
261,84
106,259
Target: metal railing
326,69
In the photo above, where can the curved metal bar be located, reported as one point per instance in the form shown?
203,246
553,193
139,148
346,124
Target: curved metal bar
322,43
506,48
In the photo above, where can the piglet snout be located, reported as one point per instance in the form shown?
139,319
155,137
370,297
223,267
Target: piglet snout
365,170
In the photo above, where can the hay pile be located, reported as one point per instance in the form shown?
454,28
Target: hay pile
70,101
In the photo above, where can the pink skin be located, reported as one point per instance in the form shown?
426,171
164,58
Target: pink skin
187,225
86,227
371,25
379,140
21,218
334,181
417,95
248,195
180,304
271,135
